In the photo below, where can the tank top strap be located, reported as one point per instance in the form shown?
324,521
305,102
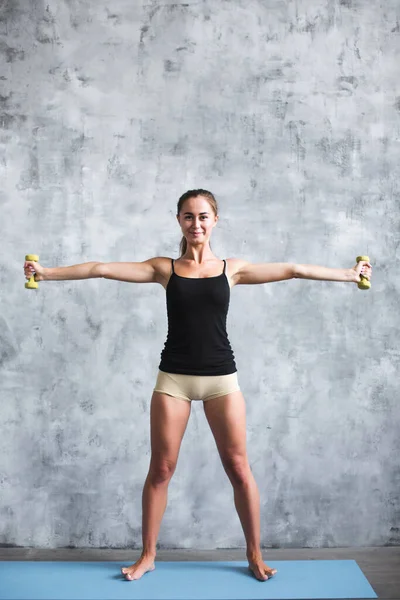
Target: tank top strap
224,265
172,260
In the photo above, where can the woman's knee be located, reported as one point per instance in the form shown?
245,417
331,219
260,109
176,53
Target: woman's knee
161,469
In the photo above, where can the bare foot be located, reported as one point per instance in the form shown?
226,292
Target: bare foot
261,571
142,566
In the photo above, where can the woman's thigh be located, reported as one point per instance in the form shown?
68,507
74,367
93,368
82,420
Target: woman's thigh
227,419
169,417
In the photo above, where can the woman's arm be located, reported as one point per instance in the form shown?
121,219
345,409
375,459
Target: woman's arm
82,271
329,274
134,272
325,273
246,273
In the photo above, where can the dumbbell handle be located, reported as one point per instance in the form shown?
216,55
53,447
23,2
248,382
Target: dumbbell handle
364,284
31,284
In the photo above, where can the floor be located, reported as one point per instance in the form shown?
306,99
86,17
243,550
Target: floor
381,566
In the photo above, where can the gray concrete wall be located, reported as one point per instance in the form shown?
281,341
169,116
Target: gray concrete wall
289,113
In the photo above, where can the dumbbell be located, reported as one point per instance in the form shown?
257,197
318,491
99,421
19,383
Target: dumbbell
364,284
31,284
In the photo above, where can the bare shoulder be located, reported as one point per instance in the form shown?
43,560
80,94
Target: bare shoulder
162,269
233,267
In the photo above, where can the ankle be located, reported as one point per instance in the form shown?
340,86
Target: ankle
254,553
148,554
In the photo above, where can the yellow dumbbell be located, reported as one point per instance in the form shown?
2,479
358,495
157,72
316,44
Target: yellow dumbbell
32,284
364,284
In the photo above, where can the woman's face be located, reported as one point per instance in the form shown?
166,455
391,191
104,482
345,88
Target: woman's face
197,217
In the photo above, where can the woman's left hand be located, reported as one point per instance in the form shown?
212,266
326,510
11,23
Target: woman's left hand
363,268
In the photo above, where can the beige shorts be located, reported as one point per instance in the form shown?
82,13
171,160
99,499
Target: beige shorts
196,387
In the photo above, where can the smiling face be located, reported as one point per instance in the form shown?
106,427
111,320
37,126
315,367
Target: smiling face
197,220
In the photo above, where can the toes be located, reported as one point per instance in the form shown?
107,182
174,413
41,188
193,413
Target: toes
261,575
258,573
125,572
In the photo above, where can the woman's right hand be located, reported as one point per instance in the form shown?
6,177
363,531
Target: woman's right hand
31,267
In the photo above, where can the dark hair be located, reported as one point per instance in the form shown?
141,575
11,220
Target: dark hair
193,194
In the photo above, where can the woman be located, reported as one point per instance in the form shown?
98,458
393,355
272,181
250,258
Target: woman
197,362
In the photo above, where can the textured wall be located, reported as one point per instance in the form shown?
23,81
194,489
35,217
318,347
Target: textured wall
289,112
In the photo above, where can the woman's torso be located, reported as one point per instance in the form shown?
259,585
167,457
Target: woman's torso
197,305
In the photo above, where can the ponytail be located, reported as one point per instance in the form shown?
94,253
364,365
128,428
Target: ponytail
183,246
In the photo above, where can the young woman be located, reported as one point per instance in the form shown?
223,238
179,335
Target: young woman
197,362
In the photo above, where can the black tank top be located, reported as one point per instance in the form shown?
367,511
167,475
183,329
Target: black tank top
197,342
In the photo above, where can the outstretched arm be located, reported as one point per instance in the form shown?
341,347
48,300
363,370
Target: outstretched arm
329,274
133,272
249,273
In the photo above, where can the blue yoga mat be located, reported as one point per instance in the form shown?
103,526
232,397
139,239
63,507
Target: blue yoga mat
217,580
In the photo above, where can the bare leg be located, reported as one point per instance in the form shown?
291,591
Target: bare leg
226,416
247,504
168,419
154,502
